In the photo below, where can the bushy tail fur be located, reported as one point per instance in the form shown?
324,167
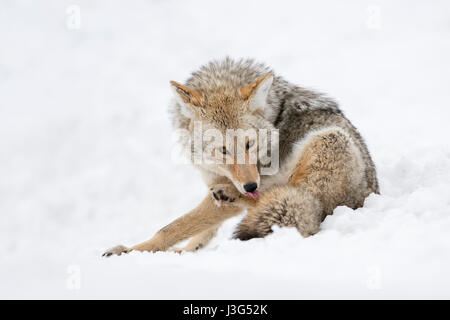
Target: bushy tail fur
286,206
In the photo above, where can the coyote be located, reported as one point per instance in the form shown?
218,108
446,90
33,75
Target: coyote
323,160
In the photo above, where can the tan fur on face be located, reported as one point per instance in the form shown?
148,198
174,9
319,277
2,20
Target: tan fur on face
244,173
224,109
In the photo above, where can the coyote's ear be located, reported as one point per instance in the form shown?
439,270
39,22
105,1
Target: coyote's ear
187,97
257,91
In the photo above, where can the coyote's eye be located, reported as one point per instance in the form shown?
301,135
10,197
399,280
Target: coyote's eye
249,144
224,150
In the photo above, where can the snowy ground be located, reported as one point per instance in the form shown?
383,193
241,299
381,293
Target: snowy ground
86,149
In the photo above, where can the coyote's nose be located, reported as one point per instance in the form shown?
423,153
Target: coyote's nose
250,187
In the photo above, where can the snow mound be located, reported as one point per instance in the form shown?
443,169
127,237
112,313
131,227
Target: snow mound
86,149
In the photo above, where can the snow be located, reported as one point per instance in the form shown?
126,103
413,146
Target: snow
86,147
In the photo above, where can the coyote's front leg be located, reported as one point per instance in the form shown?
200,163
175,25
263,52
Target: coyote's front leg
210,212
199,240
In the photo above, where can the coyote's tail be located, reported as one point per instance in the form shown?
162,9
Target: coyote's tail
287,206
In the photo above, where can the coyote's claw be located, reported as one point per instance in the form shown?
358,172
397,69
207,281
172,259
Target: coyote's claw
220,195
117,250
224,193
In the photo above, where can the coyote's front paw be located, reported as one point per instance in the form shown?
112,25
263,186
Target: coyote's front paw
118,250
224,194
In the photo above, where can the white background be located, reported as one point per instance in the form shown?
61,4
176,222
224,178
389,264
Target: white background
85,142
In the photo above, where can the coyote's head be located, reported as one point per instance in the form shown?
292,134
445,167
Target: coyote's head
228,122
